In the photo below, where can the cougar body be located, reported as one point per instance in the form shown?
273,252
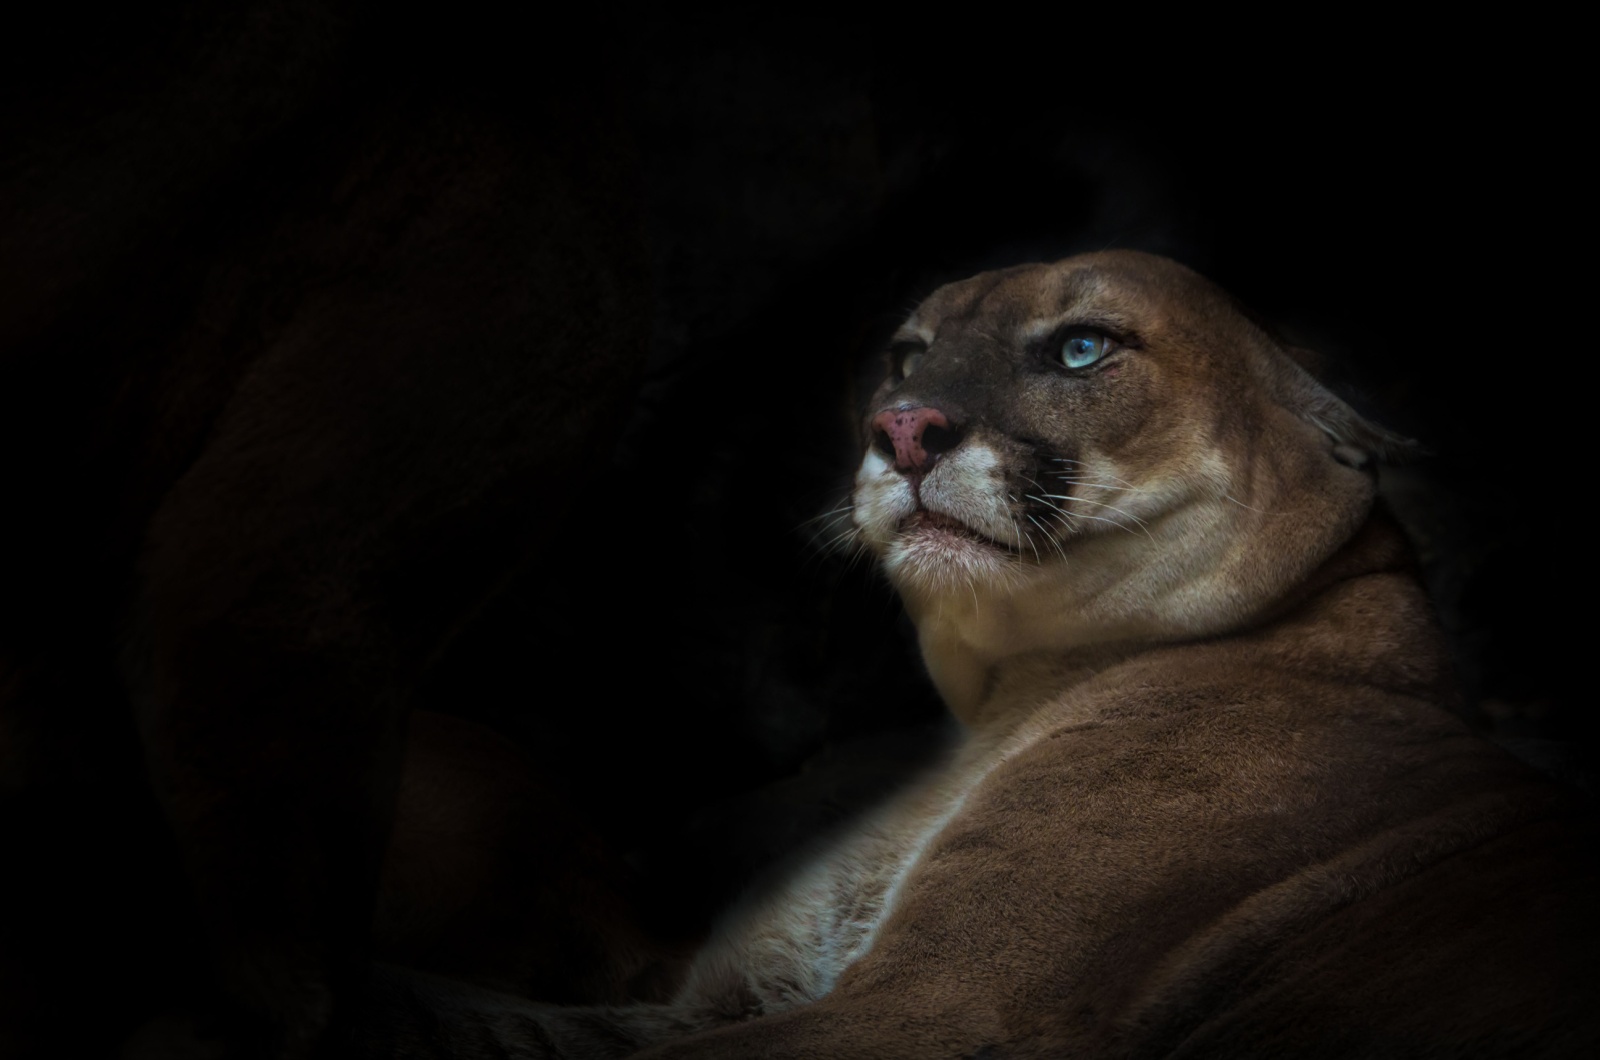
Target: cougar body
1210,801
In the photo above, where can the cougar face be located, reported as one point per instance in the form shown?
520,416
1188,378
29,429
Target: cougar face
1097,450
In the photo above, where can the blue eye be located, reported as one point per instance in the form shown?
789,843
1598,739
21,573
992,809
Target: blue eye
1083,349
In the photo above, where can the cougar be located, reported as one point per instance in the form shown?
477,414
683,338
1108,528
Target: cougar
1210,800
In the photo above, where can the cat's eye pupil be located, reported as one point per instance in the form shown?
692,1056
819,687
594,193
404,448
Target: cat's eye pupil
908,364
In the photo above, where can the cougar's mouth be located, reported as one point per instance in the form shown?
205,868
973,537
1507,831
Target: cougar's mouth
927,522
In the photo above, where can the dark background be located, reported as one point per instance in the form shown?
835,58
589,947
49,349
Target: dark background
674,647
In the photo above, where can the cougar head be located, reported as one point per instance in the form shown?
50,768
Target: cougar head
1101,449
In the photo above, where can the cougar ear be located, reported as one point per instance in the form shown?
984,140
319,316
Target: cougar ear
1357,441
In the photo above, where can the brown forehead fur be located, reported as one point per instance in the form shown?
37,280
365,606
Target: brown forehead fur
1190,335
1123,286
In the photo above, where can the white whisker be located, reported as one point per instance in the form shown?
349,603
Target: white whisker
1079,463
1048,536
847,507
1113,522
1119,511
1026,537
1100,485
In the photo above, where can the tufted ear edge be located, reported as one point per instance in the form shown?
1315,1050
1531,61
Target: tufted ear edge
1357,441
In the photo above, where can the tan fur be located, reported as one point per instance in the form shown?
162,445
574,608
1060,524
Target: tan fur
1209,803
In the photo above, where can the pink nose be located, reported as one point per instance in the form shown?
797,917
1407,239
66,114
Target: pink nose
919,436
